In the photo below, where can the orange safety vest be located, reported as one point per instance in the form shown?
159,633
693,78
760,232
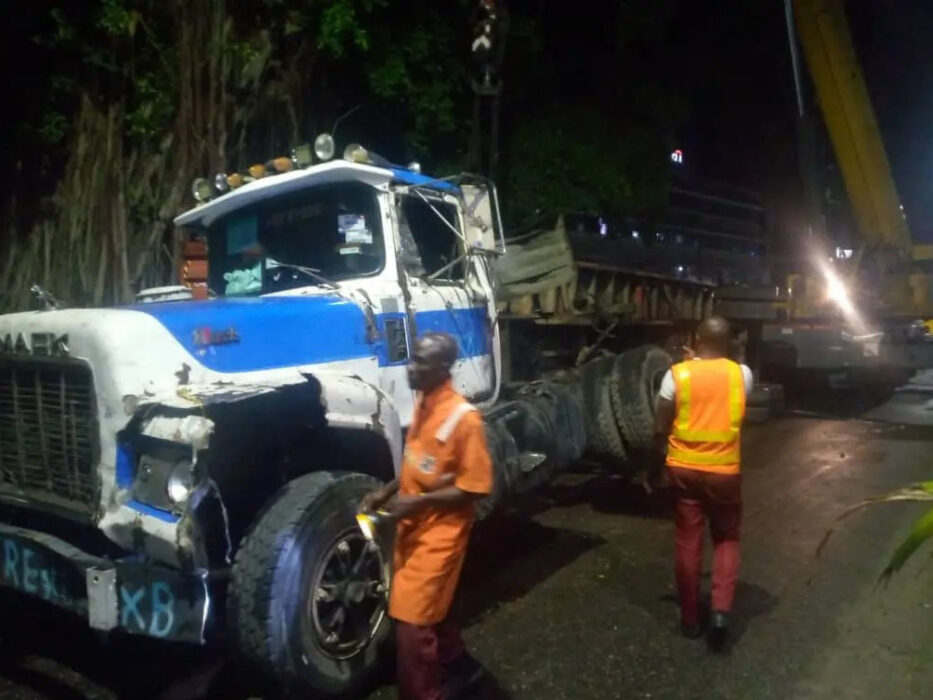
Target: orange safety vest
710,405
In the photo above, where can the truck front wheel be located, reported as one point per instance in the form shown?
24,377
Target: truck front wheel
307,598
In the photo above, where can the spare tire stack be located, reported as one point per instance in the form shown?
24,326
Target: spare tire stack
619,402
603,439
633,390
503,452
554,424
538,432
604,409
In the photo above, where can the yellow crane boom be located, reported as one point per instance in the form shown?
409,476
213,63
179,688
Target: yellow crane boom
823,33
826,40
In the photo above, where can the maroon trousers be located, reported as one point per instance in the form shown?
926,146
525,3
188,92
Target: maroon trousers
423,652
701,496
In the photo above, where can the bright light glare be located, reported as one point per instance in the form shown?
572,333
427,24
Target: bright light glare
837,292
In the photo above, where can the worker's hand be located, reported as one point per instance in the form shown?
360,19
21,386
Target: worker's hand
689,353
403,506
373,500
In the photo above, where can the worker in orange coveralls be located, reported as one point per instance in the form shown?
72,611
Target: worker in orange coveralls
445,470
701,405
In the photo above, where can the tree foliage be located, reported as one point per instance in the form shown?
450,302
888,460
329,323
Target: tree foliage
137,97
578,160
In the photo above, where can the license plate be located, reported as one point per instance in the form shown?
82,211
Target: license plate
160,602
136,596
35,568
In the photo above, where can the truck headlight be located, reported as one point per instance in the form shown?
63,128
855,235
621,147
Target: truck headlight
324,147
181,482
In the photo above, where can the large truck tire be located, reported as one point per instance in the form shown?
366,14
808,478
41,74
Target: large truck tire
503,453
307,596
554,422
568,416
635,382
602,435
537,434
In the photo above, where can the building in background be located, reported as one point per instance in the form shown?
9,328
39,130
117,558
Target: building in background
709,231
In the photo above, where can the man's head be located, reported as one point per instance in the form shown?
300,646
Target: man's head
432,359
713,338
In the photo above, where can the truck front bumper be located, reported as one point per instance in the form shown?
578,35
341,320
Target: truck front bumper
132,595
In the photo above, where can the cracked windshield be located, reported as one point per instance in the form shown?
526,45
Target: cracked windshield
326,233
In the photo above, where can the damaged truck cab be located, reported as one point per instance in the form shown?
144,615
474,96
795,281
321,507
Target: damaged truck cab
190,470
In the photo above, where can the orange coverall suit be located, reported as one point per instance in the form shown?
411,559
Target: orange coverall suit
446,436
703,456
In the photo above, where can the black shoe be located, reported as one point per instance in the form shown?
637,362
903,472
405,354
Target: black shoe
461,676
691,631
718,631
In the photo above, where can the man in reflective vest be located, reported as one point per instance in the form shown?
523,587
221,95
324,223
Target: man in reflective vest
445,470
700,410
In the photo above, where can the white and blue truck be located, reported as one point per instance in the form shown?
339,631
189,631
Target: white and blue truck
190,470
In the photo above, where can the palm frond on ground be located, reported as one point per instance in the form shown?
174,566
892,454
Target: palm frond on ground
920,532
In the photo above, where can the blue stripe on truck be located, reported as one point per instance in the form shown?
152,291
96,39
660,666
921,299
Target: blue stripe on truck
275,332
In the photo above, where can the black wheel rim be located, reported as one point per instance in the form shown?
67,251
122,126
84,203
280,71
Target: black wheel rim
347,596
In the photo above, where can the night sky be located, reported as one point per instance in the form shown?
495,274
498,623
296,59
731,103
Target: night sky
743,104
894,43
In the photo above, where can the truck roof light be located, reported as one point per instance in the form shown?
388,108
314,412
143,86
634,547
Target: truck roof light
235,180
221,184
355,153
414,166
256,171
324,147
301,155
201,189
281,164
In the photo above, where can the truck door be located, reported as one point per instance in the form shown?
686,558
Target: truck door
447,290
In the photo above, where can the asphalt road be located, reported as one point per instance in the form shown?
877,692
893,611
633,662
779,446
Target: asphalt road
574,598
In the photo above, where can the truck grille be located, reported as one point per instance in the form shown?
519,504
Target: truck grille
48,432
